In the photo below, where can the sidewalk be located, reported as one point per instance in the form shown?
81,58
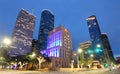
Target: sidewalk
98,70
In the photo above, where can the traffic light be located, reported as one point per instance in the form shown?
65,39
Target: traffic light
90,51
106,64
98,50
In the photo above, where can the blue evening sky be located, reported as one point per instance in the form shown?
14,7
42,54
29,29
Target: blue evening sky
71,14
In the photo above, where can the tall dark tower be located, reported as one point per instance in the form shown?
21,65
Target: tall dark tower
95,35
46,25
107,48
23,33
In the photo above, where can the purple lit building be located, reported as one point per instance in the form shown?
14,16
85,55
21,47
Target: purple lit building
59,47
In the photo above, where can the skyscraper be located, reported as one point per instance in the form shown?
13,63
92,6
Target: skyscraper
95,35
59,46
23,33
107,48
46,25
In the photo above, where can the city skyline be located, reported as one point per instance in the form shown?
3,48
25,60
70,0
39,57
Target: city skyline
71,15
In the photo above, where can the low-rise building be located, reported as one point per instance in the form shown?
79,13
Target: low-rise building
59,46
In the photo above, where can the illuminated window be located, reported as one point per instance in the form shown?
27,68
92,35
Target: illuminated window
89,26
94,23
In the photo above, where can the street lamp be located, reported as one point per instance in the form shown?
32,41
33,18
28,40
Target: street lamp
98,49
98,45
81,56
5,46
92,55
80,50
7,41
33,55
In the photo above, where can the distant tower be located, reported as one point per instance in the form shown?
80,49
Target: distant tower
59,47
34,45
46,25
107,48
23,33
95,35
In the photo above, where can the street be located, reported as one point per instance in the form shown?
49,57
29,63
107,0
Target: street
117,71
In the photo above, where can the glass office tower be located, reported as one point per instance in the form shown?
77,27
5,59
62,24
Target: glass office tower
107,48
46,25
95,35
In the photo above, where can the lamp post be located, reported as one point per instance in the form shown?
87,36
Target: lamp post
98,52
81,56
91,60
5,46
97,49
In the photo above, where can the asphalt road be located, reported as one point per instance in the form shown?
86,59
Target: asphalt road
117,71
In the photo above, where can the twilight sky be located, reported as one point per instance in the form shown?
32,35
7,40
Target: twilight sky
71,14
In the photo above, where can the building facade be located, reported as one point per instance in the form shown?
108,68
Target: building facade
118,60
23,33
59,47
85,45
87,48
95,35
46,25
107,48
